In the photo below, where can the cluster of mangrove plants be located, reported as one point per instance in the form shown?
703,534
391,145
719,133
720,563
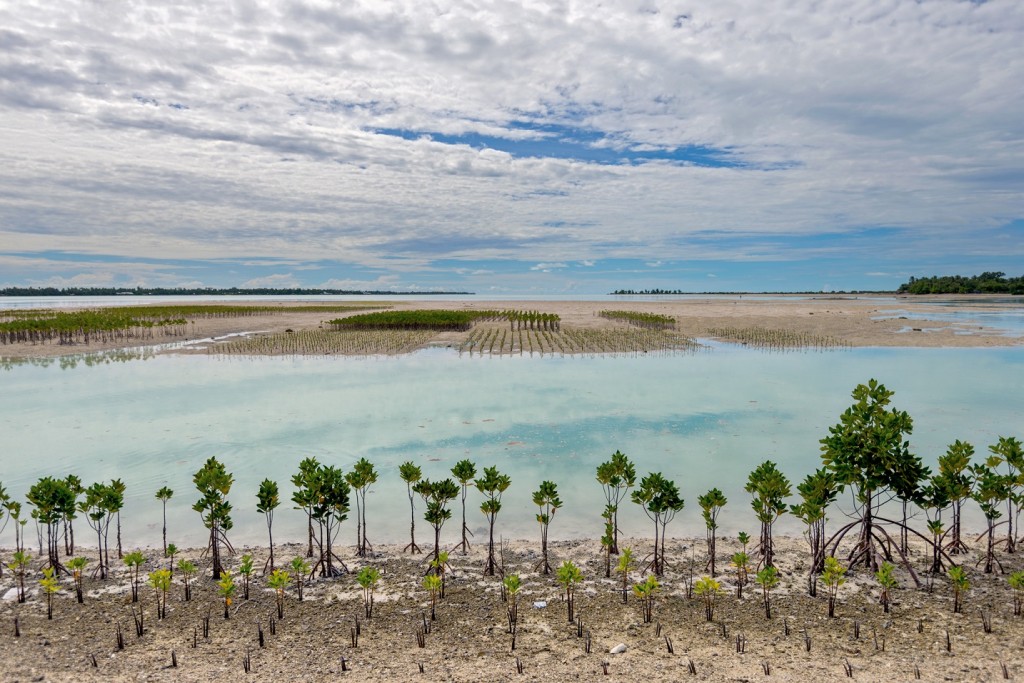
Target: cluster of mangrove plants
765,338
497,340
321,342
647,320
439,320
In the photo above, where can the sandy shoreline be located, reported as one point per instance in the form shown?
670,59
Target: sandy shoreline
469,639
855,321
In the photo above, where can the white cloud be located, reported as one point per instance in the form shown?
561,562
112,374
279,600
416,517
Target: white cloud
548,267
247,130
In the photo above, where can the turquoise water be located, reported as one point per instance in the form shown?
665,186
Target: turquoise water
704,419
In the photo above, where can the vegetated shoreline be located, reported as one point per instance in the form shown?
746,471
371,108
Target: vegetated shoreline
854,322
469,641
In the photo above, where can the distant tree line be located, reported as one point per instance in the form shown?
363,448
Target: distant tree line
986,283
197,291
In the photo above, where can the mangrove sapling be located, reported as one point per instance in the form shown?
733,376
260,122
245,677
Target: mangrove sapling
958,579
708,589
955,471
226,590
77,565
868,453
52,499
886,583
411,474
1008,451
933,498
164,495
570,576
74,485
1016,581
644,592
768,579
711,504
213,482
245,569
437,494
741,563
187,570
368,578
119,488
512,588
833,577
660,500
278,581
432,583
267,500
990,490
464,471
160,580
50,586
769,487
299,570
624,567
616,477
546,498
99,504
817,491
360,478
492,484
304,496
134,560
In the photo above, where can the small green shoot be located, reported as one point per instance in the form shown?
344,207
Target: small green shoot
368,578
160,580
135,560
187,570
624,567
645,591
1016,581
432,583
245,569
958,577
226,589
278,580
887,583
709,589
570,576
50,585
299,570
833,577
77,567
767,579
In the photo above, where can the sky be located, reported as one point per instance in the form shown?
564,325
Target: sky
510,147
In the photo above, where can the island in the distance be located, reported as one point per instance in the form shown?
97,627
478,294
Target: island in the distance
211,291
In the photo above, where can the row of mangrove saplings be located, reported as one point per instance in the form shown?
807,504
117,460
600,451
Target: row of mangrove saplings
446,320
649,320
130,322
492,340
866,454
765,338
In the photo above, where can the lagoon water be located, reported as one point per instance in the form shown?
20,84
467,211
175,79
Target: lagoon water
703,419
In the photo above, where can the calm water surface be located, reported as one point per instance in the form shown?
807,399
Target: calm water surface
704,419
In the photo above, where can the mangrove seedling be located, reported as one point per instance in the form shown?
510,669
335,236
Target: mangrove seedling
492,484
817,491
624,567
226,590
411,474
955,472
616,477
50,585
164,495
304,496
440,566
711,504
360,479
570,576
68,516
645,591
187,570
768,579
267,500
512,588
172,550
990,491
278,580
100,503
547,500
160,580
52,499
741,563
119,487
245,569
432,583
1009,451
299,570
958,578
135,560
213,482
77,567
833,576
886,583
708,589
368,578
464,471
1016,581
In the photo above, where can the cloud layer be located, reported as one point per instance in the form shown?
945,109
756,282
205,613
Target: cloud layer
422,142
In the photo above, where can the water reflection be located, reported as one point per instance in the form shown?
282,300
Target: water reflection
702,419
73,360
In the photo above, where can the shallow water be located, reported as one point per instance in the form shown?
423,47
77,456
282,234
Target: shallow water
703,419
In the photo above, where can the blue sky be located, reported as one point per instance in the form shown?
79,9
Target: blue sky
498,147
